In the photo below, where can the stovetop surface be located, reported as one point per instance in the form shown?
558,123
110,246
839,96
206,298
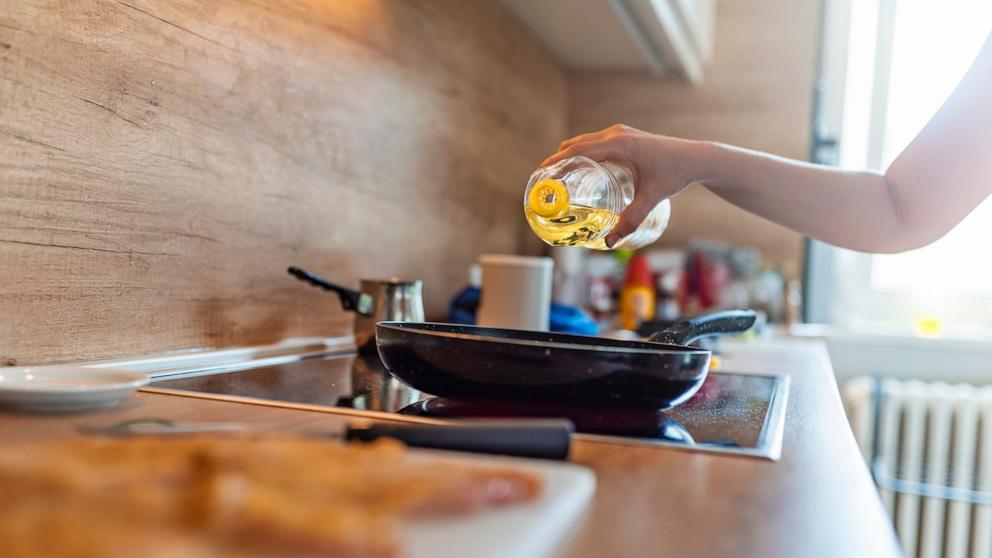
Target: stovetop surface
731,413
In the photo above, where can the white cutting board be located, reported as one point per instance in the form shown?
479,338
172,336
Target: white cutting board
538,529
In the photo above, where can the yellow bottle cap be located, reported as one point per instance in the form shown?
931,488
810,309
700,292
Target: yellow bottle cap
548,198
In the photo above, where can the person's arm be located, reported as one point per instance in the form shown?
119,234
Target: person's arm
931,186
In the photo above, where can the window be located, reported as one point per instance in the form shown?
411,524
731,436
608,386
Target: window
904,57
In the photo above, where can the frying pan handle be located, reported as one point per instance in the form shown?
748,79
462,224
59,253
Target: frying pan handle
544,439
350,299
717,323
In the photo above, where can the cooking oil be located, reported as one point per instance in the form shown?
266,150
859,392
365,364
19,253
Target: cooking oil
578,225
578,201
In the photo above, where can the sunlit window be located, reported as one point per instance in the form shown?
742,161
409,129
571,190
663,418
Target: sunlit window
904,58
933,45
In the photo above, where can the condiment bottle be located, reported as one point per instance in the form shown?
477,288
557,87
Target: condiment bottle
637,298
578,201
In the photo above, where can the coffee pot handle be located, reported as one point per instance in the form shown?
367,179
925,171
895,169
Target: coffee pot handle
351,299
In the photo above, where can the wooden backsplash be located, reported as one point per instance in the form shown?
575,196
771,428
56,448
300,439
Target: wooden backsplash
161,163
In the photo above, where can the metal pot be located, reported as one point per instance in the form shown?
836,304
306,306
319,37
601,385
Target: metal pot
378,300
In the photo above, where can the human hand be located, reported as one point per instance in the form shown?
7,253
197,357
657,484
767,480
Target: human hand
662,167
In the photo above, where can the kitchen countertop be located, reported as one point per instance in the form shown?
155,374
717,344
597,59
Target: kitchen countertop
818,500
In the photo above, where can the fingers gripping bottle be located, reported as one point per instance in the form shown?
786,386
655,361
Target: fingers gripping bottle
578,201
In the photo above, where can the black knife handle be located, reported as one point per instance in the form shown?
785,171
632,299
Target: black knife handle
544,439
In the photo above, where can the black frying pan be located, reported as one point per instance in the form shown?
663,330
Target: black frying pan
459,361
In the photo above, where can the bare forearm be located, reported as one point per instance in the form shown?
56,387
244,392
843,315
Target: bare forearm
934,183
930,187
854,209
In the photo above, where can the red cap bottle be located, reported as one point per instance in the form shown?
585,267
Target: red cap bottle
639,271
637,302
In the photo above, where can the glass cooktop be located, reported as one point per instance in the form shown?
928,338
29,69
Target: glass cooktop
732,412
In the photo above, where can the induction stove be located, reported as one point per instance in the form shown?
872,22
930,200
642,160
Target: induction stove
735,413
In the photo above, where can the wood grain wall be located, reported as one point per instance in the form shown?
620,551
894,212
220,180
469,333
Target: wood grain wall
757,92
162,162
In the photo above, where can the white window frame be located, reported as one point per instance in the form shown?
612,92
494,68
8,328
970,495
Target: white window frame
831,267
860,346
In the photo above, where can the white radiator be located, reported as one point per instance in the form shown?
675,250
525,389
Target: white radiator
929,446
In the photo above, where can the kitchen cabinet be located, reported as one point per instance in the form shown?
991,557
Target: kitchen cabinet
661,37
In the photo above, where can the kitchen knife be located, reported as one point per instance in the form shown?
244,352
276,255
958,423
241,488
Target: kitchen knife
543,439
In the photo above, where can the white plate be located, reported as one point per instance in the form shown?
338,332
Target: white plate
65,388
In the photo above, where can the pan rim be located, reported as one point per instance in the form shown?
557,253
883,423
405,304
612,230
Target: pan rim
404,327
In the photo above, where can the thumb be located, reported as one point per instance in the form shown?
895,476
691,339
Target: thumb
630,219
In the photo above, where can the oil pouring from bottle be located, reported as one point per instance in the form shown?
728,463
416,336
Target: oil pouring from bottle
578,201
